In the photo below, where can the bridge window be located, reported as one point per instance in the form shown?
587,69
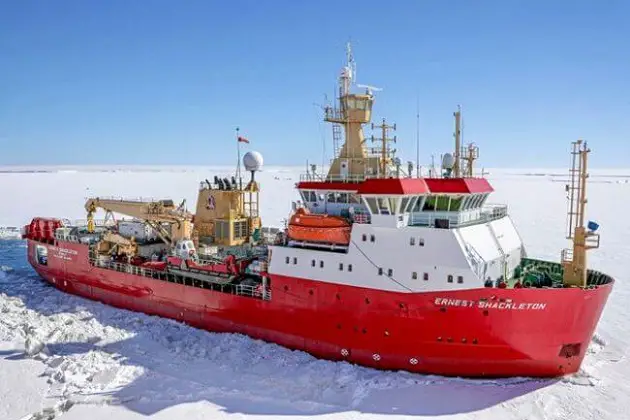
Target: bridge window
429,204
393,205
404,202
308,196
383,205
371,203
442,203
456,203
354,199
337,197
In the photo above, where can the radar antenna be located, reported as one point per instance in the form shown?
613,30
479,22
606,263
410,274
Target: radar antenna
369,89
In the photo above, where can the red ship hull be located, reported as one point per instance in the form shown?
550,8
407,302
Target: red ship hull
487,332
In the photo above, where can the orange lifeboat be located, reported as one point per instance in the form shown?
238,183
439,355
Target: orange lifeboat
320,228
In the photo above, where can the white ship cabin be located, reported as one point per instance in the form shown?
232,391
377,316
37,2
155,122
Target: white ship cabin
398,202
407,235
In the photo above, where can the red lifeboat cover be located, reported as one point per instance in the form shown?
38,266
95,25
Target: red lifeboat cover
308,227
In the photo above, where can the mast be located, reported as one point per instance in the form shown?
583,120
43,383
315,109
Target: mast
456,165
574,260
351,161
238,158
385,145
417,137
471,154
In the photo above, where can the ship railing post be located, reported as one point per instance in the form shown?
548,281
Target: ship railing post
264,288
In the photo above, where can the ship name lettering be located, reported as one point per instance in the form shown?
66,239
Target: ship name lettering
530,306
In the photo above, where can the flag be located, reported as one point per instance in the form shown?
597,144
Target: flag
243,140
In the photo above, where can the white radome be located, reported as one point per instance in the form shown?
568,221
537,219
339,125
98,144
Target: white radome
448,161
253,161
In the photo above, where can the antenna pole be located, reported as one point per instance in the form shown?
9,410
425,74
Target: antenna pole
417,136
457,114
385,147
238,158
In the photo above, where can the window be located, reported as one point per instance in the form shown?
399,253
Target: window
364,237
383,205
403,204
414,276
429,204
380,271
442,203
353,199
294,260
372,238
420,241
321,264
483,199
425,276
460,279
456,204
412,241
349,267
417,204
371,203
312,263
450,278
287,259
340,266
390,272
393,205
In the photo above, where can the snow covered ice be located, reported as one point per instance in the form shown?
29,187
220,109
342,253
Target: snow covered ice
66,357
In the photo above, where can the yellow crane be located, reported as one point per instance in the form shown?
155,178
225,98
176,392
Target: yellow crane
155,213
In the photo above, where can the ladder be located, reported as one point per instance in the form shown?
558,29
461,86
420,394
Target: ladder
573,192
337,139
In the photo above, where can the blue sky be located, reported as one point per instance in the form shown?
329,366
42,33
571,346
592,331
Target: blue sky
166,82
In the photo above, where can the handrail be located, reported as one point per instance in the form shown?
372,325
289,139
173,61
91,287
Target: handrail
259,291
131,199
487,213
350,178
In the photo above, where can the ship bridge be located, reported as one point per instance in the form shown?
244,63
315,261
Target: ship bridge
396,202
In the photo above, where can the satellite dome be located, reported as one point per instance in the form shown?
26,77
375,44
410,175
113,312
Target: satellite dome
448,161
253,161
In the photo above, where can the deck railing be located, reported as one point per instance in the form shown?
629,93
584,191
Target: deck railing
487,213
257,291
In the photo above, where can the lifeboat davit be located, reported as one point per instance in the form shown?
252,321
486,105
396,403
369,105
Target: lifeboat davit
318,228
